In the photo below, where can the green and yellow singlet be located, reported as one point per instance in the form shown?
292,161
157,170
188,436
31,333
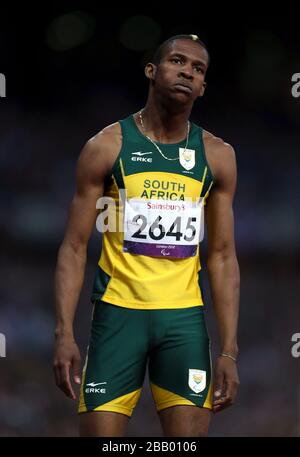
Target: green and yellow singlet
152,259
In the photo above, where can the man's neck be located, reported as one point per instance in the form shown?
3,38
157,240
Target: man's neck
164,125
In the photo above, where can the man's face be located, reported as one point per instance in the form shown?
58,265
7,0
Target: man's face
181,71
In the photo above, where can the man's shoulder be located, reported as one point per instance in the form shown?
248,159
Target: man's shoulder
220,155
109,136
216,144
100,151
106,145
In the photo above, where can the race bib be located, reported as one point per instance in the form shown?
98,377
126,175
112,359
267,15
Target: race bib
162,227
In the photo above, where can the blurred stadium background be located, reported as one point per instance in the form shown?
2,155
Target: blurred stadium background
73,69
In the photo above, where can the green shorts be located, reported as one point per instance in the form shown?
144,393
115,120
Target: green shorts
173,342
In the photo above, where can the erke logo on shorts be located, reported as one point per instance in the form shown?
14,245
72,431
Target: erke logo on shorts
92,388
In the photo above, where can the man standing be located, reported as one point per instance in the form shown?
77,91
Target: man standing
147,298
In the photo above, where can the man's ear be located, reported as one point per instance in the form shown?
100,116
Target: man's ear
203,89
150,71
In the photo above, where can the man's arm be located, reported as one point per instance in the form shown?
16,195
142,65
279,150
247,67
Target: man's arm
92,167
223,269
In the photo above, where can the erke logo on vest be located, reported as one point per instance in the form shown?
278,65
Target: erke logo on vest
139,157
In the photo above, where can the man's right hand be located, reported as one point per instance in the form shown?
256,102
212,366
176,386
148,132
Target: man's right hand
66,357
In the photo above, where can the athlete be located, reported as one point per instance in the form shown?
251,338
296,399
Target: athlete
162,172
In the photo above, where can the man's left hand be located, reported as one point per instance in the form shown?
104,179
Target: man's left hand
226,382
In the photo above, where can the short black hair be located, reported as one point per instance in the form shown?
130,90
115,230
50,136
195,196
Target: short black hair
159,52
